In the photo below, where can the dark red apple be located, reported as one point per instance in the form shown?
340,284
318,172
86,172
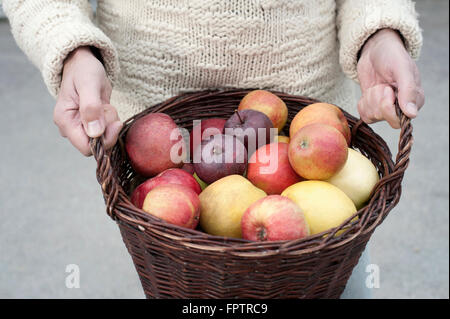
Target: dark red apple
170,176
253,128
188,167
219,156
204,130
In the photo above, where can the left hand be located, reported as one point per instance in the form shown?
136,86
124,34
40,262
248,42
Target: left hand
384,65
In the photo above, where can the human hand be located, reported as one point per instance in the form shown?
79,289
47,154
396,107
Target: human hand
82,107
385,65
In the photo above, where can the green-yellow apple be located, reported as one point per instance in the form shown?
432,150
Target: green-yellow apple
224,202
357,178
325,206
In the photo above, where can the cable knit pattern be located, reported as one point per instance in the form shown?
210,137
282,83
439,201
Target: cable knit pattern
165,47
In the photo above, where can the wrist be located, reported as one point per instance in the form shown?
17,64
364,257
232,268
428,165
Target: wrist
80,55
381,36
83,52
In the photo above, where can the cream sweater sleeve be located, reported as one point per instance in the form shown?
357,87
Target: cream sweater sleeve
357,20
48,30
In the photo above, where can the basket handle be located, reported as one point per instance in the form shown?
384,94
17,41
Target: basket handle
104,172
405,143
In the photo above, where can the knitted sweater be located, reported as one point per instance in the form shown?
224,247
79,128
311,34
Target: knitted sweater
155,49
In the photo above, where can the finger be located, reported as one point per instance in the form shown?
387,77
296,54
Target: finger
111,133
369,106
58,119
388,108
407,88
365,113
111,114
79,139
420,100
113,126
63,104
92,111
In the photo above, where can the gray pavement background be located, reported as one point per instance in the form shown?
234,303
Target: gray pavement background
52,212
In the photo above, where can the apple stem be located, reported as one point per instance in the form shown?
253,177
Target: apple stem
239,116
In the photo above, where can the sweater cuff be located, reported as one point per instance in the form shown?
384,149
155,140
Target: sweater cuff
358,24
71,36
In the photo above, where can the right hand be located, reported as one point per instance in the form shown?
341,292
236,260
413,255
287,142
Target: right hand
82,107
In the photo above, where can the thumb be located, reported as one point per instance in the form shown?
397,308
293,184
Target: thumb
92,112
407,91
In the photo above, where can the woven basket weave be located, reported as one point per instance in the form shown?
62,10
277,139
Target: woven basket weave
175,262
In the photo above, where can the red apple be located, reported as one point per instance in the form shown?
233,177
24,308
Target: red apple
268,103
170,176
318,151
154,143
204,130
269,169
273,218
219,156
323,113
174,203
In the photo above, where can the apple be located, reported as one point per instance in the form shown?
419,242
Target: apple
272,218
170,176
268,103
269,168
253,128
153,144
224,202
357,178
176,204
204,130
324,205
323,113
219,156
317,152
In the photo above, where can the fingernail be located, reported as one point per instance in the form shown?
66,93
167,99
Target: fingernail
387,91
411,108
94,128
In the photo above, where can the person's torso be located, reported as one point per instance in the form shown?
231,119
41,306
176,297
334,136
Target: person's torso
169,46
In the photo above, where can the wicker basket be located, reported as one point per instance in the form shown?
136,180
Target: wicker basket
174,262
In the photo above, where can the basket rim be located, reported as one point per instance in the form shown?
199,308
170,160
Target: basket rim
123,211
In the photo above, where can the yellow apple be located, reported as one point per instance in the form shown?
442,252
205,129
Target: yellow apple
357,178
223,203
324,205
